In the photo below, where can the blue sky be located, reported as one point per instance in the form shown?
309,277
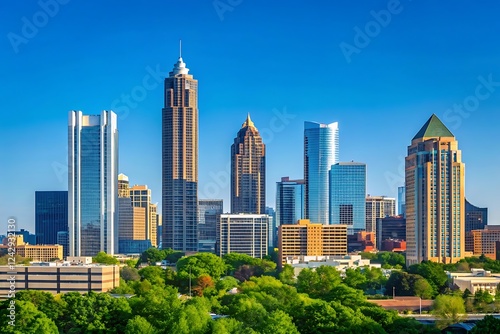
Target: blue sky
280,61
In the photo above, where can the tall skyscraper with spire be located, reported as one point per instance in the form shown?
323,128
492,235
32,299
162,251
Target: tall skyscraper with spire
248,171
435,196
321,151
92,183
180,160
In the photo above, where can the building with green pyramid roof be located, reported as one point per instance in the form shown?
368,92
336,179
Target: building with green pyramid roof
433,128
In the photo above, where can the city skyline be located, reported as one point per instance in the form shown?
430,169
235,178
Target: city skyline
374,129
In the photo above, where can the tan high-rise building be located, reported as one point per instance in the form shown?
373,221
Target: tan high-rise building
307,239
435,196
180,160
141,197
131,219
248,171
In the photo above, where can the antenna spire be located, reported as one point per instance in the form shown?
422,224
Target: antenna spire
180,48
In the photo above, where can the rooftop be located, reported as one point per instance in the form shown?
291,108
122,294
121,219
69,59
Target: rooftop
433,128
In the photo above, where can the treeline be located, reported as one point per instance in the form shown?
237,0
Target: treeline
318,301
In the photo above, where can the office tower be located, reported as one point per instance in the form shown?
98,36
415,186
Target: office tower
51,215
92,183
209,211
159,230
435,196
305,241
132,218
290,197
140,196
180,160
484,241
476,218
378,207
348,195
402,200
321,151
248,171
63,240
273,230
243,233
390,228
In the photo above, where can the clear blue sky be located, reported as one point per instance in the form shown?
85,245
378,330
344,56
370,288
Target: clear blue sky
266,58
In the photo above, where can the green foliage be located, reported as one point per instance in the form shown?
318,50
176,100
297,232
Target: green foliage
278,322
226,283
155,275
43,301
489,324
317,283
27,319
201,264
432,272
230,326
386,259
154,255
355,278
404,284
139,325
448,309
4,260
104,258
129,274
423,289
131,263
474,262
287,275
251,266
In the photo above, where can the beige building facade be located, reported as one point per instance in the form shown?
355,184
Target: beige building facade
435,196
311,239
60,279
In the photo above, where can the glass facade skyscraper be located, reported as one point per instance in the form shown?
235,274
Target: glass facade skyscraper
290,196
209,211
92,183
180,160
348,195
321,151
51,216
402,201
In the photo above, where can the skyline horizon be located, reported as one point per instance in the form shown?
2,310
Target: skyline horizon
381,94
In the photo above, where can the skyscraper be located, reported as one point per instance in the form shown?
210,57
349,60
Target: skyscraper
435,196
51,216
141,197
290,196
209,211
243,233
92,183
402,200
348,195
321,151
248,171
180,160
378,207
476,218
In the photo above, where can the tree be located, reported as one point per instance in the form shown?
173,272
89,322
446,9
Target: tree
155,275
245,272
278,322
432,272
230,326
130,274
27,319
203,283
423,289
139,325
449,309
43,301
489,324
151,256
287,275
355,278
226,283
199,264
104,258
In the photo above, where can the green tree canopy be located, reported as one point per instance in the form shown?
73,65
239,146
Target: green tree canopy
489,324
200,264
139,325
27,319
448,309
104,258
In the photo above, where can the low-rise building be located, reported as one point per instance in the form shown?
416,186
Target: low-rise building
484,241
341,263
59,278
477,279
33,252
